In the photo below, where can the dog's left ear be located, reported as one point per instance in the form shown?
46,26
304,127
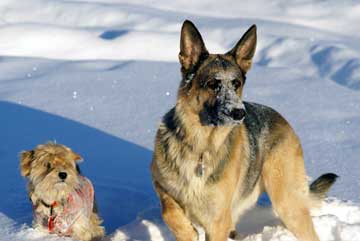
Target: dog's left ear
244,50
192,46
26,157
76,157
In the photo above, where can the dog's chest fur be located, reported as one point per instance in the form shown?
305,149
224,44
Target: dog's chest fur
190,189
179,164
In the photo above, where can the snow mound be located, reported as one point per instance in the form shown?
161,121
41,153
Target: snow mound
335,221
338,63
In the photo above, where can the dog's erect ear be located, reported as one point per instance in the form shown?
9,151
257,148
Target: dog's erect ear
25,162
244,50
191,45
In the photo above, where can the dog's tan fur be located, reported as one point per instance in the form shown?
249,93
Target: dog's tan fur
41,166
216,200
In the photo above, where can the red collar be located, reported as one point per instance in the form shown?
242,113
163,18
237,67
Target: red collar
51,223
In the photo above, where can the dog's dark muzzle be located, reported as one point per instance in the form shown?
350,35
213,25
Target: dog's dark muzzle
238,114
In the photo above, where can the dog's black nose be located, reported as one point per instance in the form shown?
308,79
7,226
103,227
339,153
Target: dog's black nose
238,114
62,175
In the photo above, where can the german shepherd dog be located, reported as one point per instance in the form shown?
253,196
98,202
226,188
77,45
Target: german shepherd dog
215,154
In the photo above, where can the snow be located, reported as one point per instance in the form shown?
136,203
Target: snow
98,75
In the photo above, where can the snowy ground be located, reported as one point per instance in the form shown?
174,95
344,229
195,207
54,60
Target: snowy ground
98,75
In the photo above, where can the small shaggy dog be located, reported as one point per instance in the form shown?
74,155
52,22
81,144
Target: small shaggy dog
63,199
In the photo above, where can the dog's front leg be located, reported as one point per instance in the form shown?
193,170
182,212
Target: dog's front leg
219,229
174,216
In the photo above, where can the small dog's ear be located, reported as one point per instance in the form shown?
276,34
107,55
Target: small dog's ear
25,162
244,50
76,157
192,46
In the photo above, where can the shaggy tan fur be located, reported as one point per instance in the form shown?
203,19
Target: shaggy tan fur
42,166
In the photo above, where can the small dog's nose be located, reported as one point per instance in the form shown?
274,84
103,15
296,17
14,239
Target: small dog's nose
62,175
238,114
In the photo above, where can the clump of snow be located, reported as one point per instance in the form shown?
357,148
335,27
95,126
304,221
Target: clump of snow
336,220
228,101
10,231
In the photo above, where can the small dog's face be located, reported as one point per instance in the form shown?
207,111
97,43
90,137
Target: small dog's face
52,171
212,83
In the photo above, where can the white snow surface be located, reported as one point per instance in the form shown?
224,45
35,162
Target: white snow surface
97,75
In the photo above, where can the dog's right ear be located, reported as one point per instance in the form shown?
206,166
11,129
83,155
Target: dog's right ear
192,46
25,162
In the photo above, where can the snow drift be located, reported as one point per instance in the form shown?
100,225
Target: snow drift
98,76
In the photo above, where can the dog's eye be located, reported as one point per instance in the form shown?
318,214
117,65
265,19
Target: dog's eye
48,166
236,83
213,84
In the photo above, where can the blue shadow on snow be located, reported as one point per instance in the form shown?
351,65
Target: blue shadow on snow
118,169
113,34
